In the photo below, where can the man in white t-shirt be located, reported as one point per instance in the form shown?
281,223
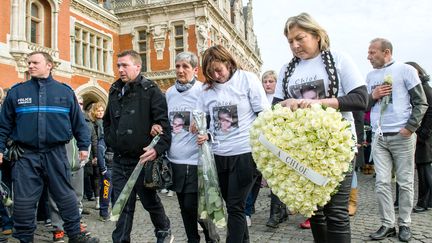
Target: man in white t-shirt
397,108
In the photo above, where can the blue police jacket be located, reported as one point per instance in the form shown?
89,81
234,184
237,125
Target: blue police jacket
42,113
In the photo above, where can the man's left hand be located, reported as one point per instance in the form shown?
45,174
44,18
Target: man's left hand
405,132
148,155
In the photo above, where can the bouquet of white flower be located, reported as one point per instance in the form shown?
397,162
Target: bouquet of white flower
303,155
388,79
210,202
127,189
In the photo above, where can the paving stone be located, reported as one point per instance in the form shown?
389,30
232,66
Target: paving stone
363,223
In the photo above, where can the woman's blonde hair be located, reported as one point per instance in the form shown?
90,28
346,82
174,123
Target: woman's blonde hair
307,23
269,73
94,108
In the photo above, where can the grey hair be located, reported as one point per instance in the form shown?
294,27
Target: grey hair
385,44
189,57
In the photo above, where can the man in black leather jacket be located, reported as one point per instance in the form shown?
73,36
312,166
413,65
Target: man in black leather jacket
134,105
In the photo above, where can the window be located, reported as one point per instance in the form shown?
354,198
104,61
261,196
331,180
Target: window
35,22
38,23
91,49
178,39
142,48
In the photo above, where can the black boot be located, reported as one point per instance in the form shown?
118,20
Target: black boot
283,213
83,238
274,219
319,228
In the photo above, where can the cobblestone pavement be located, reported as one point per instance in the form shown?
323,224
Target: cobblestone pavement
363,223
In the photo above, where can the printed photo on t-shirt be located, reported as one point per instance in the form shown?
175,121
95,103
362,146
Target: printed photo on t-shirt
310,90
180,121
226,119
390,101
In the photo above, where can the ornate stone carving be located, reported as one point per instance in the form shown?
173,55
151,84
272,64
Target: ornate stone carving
160,75
96,12
159,37
203,37
21,61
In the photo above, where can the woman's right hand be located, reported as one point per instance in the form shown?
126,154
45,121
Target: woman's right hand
156,129
293,104
202,138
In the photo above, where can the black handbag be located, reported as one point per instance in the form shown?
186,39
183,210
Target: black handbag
158,173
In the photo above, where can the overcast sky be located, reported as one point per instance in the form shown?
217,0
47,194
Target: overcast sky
351,24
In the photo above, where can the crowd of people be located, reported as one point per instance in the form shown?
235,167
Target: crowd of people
54,153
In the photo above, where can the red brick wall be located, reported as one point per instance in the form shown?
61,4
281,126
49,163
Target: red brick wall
63,34
5,19
9,76
47,24
78,81
105,85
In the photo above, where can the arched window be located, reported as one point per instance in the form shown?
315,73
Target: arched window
38,22
34,23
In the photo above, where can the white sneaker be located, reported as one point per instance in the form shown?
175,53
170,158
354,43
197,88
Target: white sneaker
248,221
97,206
164,191
170,193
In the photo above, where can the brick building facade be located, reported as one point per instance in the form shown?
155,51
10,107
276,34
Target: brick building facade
84,37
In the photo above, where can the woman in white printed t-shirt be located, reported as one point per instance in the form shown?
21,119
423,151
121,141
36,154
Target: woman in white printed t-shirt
336,83
183,153
228,89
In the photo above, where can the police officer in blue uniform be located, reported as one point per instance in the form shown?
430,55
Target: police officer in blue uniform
41,115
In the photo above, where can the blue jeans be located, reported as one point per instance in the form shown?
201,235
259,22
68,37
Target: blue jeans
253,194
6,219
354,182
397,151
122,170
105,193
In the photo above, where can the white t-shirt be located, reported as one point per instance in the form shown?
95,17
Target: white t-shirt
184,148
270,98
232,107
310,80
399,109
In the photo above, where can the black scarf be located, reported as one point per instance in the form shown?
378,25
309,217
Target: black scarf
329,67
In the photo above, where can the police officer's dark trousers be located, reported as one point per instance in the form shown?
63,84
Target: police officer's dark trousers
29,174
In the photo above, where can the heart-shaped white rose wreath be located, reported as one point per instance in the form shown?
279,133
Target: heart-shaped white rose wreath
303,155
